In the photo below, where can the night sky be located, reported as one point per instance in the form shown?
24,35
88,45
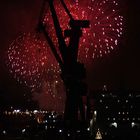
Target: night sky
119,69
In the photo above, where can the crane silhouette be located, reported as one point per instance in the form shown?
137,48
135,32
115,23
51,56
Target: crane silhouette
72,72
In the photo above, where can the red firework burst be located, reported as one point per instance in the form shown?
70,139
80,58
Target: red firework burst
105,30
26,60
31,64
28,57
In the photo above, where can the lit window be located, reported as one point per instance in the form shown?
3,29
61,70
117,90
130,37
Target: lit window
113,119
133,124
106,107
60,131
114,124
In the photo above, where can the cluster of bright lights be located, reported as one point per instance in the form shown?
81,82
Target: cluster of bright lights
106,25
27,112
27,59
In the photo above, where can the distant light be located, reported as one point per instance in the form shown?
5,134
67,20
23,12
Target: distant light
78,131
68,134
6,112
23,130
133,124
105,133
95,112
4,132
9,113
16,111
103,95
131,106
114,124
27,112
88,129
35,111
46,127
60,131
106,107
113,119
130,95
100,101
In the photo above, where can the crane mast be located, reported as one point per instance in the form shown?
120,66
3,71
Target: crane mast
73,72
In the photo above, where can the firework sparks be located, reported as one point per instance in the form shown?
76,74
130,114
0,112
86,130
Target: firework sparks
30,62
106,26
27,55
32,65
26,60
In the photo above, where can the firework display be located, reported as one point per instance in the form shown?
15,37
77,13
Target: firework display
106,26
30,60
33,65
26,60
